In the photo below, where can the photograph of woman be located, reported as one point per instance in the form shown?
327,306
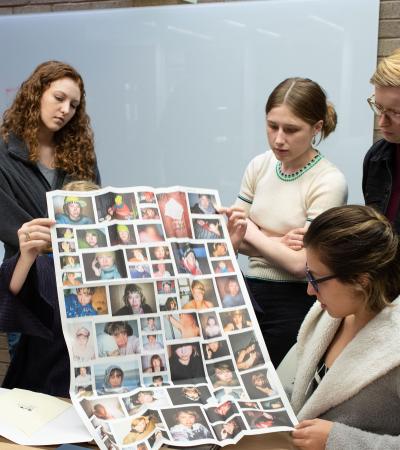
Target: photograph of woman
117,338
185,325
113,381
215,349
154,363
190,425
82,343
258,385
237,319
133,299
185,363
222,374
230,429
198,292
209,324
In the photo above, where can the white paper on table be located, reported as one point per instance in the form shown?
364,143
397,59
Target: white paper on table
50,424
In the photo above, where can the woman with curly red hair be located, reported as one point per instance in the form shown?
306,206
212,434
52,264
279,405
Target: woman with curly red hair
45,141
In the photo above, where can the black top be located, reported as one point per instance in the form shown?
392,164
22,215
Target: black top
22,190
41,362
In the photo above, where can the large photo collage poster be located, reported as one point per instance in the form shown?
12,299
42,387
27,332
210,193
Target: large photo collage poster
163,341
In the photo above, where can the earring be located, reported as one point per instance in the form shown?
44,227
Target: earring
314,140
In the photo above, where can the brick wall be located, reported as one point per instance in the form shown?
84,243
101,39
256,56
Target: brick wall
389,39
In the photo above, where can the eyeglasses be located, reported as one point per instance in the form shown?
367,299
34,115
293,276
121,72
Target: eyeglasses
315,281
379,109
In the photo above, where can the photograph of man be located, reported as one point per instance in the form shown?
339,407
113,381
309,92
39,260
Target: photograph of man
207,229
184,325
150,324
246,350
191,258
152,342
258,385
202,203
174,214
229,291
190,395
230,429
92,238
122,234
117,338
74,210
215,349
187,424
185,363
116,378
210,325
222,374
222,412
132,298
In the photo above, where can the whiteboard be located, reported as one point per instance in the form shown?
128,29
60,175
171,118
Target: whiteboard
176,94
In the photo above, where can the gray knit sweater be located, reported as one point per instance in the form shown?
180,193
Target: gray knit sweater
361,391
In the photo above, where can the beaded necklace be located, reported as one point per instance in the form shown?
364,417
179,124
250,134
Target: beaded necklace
298,173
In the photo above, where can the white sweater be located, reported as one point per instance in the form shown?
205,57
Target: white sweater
278,206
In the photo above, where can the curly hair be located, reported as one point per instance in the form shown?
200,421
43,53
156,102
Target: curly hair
74,146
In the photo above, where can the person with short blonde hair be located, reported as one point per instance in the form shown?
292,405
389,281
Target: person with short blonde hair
381,169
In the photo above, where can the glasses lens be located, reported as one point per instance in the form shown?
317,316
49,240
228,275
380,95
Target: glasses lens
311,280
374,107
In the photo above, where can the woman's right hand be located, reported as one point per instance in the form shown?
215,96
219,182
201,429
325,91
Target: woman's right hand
34,237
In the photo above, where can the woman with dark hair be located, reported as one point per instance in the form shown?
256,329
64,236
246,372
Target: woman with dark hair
156,364
347,391
118,339
185,364
282,191
134,300
45,141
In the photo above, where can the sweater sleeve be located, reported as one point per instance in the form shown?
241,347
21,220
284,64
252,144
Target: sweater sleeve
328,190
28,312
342,436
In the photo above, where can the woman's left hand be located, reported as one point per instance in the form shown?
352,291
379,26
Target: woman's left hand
312,434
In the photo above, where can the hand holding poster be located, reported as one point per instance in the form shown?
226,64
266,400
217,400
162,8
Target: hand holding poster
163,340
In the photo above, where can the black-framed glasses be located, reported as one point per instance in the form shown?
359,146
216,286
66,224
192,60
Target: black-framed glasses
316,281
379,109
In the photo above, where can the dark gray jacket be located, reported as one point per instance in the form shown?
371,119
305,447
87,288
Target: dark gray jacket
22,191
377,177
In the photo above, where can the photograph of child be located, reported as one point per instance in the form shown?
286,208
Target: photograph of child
116,206
190,395
222,412
135,298
136,255
145,398
174,214
237,319
185,363
160,253
150,324
150,213
223,266
117,338
200,294
150,233
207,229
246,350
72,278
222,374
65,233
215,349
82,342
181,326
104,265
230,429
202,203
84,301
83,376
70,262
92,238
154,363
153,342
138,271
163,270
104,409
210,325
73,210
190,258
122,234
147,197
66,247
258,385
229,291
116,378
140,428
217,249
187,424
